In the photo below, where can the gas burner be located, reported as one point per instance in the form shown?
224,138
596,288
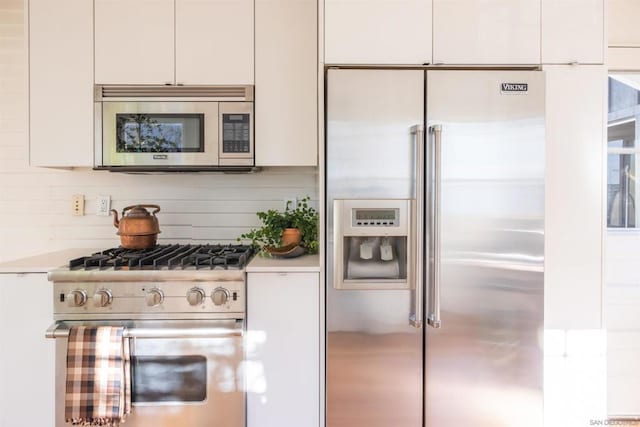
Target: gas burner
167,257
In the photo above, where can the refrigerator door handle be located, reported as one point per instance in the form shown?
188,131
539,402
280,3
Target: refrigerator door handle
433,319
416,318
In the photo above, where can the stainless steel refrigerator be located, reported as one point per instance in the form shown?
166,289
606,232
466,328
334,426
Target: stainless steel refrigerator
435,231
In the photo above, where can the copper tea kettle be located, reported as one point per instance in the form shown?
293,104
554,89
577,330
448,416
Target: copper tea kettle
138,229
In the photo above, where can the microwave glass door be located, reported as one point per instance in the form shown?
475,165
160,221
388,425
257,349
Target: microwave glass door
159,133
171,133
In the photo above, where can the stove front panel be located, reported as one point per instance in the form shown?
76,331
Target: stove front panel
158,300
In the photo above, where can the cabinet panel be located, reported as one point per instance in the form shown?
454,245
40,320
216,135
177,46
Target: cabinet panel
486,31
283,353
61,82
134,41
377,31
286,95
573,31
214,42
27,371
623,27
575,105
623,373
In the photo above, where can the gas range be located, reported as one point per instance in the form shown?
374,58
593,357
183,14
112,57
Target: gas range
164,282
182,310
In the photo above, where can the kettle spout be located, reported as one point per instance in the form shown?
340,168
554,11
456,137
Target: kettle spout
116,223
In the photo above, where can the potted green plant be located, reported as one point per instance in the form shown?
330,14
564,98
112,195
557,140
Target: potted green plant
276,229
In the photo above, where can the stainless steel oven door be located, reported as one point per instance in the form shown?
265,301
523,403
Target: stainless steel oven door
183,373
161,133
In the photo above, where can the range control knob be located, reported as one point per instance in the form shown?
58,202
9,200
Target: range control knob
102,298
76,298
154,297
195,296
220,296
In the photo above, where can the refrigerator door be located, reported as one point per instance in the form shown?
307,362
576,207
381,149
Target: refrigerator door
483,365
374,357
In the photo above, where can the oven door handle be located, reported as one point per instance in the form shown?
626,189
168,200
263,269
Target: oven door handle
59,330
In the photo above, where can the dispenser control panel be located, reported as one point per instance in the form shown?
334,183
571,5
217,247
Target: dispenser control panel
375,217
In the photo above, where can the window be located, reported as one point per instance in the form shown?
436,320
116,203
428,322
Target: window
623,152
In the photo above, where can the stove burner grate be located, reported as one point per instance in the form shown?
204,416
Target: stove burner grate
167,257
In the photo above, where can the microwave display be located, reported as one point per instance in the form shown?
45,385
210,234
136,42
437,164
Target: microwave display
160,133
236,133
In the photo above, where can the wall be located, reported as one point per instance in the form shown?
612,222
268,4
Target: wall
35,203
622,247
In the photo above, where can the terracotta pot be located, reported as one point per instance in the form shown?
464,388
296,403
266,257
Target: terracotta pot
291,236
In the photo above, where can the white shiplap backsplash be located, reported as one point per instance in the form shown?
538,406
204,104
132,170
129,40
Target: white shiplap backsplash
35,203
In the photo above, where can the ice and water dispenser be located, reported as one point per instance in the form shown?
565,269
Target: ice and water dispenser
373,244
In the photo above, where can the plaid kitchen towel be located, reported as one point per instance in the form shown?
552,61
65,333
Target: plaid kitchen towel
98,376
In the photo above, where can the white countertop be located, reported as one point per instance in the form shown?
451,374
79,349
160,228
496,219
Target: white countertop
44,262
305,263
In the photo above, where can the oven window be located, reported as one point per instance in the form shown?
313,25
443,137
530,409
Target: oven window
168,379
160,133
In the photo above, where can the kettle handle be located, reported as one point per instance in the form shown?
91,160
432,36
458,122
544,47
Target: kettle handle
156,208
116,223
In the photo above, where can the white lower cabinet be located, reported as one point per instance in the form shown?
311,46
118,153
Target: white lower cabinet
27,370
283,350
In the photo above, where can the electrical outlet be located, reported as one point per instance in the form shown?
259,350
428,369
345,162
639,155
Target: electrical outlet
104,205
77,204
292,202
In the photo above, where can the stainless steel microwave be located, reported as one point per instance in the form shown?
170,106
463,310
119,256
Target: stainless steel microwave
174,128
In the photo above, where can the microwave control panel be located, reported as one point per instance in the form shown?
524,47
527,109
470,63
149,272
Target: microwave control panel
236,133
375,218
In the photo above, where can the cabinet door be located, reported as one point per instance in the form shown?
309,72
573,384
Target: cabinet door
575,105
286,83
624,30
283,353
27,367
61,82
486,31
377,31
214,42
134,41
573,31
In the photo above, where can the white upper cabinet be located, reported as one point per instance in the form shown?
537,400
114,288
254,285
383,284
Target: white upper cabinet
486,31
286,92
377,31
573,31
214,42
624,30
174,41
134,41
61,82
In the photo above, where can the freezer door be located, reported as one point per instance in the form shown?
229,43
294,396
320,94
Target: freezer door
374,356
483,365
